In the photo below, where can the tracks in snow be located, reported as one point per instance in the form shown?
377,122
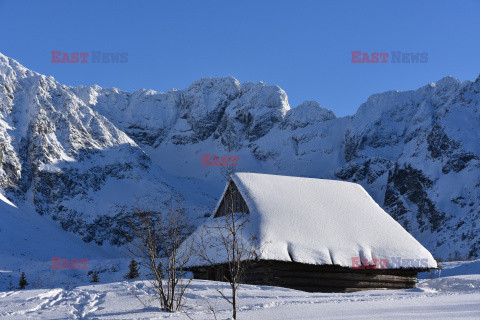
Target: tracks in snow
78,303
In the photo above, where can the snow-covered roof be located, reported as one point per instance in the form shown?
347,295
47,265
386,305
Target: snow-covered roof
318,221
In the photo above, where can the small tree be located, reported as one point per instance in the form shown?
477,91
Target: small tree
23,282
158,236
132,270
95,277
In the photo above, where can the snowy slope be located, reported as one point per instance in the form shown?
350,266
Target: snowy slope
454,268
30,241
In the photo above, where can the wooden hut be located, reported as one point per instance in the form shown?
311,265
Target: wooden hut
316,235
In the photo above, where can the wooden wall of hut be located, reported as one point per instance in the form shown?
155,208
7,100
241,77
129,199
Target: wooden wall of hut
313,278
232,201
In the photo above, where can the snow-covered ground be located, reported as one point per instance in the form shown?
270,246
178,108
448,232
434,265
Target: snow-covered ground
29,242
66,294
456,297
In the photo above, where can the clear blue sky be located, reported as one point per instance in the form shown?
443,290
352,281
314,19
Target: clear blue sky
302,46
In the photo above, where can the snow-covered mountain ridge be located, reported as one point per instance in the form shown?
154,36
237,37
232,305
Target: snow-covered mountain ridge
83,154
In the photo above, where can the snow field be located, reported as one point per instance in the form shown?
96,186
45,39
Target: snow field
432,300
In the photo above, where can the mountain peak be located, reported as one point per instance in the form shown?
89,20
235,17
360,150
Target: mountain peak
448,82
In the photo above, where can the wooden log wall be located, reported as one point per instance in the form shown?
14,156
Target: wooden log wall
317,278
232,201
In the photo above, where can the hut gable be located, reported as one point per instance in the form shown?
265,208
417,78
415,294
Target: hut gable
232,201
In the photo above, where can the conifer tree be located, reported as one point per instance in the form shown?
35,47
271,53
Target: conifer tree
95,277
132,270
23,281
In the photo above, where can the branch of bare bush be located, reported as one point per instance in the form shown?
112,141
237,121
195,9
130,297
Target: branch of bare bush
157,237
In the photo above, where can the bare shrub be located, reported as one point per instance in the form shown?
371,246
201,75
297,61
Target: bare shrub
157,236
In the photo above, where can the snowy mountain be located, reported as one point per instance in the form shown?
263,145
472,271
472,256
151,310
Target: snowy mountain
67,161
83,155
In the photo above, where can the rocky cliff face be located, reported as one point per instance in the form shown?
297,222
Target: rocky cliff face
81,154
